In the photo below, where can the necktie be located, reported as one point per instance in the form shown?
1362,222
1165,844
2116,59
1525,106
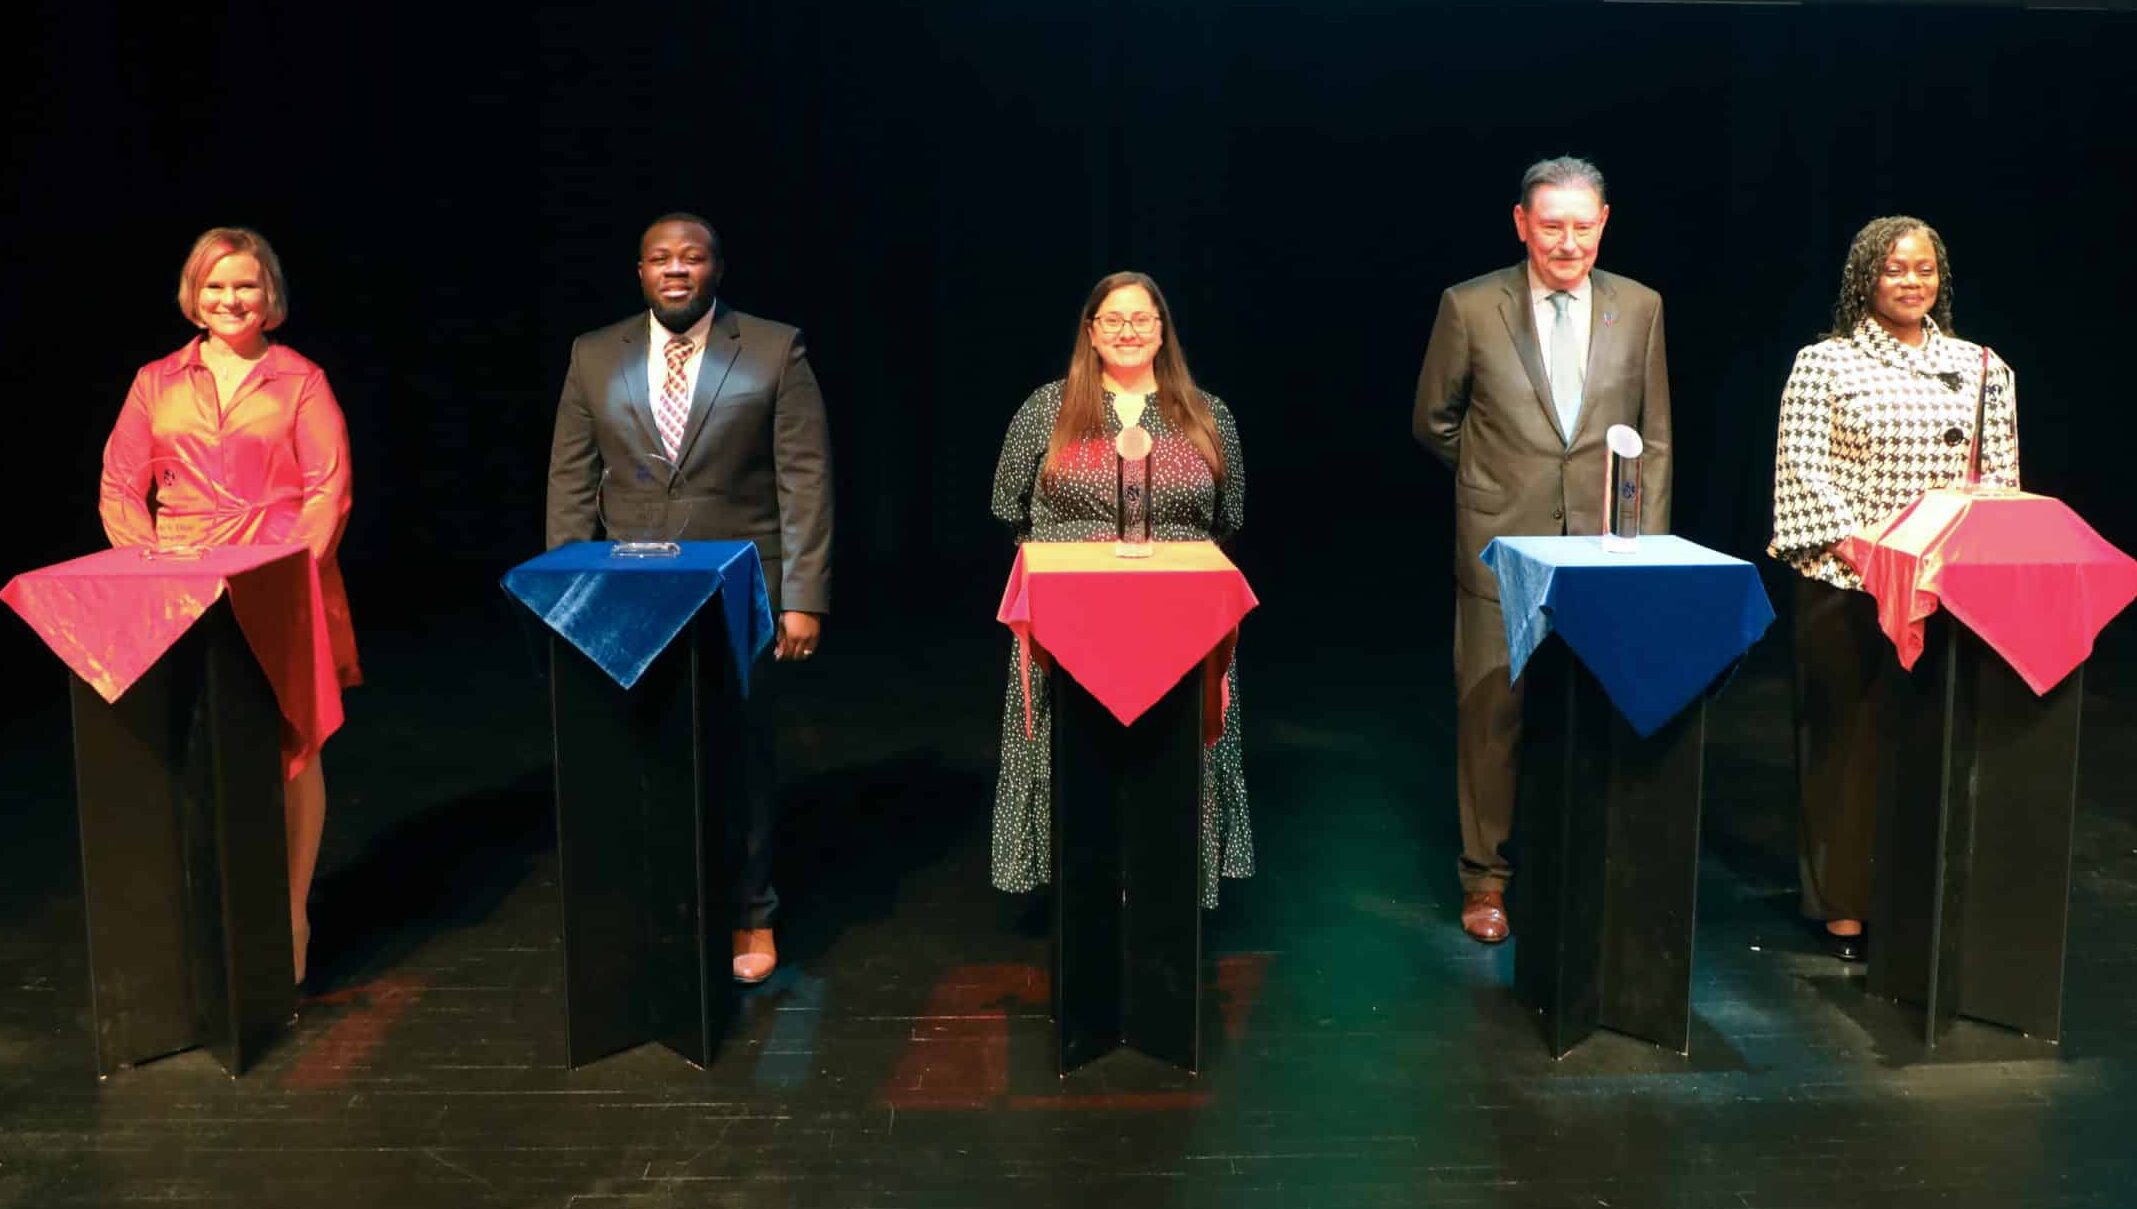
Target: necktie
1566,367
673,411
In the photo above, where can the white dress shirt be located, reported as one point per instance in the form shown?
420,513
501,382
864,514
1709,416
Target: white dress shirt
657,357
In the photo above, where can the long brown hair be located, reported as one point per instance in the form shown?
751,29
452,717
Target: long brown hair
1083,396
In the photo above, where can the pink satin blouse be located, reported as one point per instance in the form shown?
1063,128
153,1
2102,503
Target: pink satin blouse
270,464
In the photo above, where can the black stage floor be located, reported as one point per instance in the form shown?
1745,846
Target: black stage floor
1364,1052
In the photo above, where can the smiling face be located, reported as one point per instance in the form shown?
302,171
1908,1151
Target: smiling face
232,301
1907,284
677,272
1136,331
1562,225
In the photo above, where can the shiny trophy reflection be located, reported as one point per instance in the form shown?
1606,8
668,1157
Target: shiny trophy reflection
1972,484
1131,492
166,474
641,516
1621,490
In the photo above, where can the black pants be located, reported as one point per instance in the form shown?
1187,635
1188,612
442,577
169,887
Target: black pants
1844,667
756,901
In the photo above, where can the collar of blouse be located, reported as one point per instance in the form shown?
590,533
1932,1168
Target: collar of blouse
1937,355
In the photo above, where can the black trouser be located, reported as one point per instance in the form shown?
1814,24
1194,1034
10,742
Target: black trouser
756,901
1842,675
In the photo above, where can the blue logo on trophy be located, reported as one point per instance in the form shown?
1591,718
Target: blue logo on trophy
1621,490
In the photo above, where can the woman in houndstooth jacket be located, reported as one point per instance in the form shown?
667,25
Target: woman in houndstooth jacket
1879,411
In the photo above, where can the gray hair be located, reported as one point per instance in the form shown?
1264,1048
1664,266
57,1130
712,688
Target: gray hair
1563,171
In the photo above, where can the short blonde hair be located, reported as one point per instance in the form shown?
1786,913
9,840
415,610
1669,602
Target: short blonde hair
217,243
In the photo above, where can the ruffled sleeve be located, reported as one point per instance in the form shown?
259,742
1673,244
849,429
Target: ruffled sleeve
1809,511
1231,511
1016,473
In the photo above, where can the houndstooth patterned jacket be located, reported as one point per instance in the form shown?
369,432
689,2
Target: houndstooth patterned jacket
1868,424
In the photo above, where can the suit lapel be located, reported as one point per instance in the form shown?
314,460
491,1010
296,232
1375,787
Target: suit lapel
1603,345
631,369
1520,319
723,343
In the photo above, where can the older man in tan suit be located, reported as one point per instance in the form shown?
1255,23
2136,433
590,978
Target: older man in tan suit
1527,368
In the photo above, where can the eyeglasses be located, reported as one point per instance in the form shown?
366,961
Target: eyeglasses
1110,323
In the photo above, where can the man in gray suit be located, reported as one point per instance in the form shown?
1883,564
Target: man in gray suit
1527,369
710,427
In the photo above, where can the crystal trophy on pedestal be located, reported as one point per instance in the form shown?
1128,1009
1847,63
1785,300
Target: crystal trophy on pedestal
165,474
1621,490
1972,483
1131,492
643,519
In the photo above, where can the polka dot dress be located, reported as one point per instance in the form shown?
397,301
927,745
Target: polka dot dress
1075,504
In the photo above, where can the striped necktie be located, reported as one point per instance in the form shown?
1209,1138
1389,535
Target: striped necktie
673,410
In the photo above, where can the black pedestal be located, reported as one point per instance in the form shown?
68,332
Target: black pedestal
1606,864
645,777
185,868
1971,896
1127,808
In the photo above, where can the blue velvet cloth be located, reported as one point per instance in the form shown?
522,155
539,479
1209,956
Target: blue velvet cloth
1655,627
623,612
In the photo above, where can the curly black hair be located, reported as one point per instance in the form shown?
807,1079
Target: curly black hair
1866,263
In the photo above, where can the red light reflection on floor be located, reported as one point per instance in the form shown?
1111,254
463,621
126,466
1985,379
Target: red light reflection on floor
958,1054
347,1043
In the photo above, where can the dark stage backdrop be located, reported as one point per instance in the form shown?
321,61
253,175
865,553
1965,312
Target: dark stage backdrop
929,188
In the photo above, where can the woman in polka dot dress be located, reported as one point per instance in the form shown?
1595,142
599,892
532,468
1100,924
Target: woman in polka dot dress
1055,483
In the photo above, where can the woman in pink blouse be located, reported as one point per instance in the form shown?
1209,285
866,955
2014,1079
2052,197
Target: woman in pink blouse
237,439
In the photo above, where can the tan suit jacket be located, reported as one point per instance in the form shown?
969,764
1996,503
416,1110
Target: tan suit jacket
1484,408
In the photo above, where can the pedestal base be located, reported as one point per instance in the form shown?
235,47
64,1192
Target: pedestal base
1970,901
1606,865
646,860
185,869
1127,875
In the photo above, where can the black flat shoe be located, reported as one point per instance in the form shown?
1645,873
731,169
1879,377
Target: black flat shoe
1844,948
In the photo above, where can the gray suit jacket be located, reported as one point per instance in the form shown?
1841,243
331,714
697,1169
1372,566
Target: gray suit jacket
1484,408
755,462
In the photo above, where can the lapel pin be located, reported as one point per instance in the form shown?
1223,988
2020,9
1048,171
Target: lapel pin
1609,317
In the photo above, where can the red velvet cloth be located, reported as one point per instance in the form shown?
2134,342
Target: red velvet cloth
2022,571
1128,628
110,616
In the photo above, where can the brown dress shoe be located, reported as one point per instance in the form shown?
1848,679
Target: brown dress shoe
755,955
1484,916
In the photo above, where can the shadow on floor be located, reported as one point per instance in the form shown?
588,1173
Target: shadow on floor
442,868
850,837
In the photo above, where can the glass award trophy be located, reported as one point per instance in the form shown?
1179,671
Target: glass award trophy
1131,492
641,520
1972,483
1621,490
165,472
